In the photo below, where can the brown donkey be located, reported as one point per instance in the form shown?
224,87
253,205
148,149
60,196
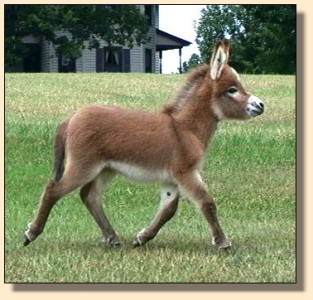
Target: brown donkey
168,147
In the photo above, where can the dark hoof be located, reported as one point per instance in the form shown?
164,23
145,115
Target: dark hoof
223,244
26,241
116,244
113,241
141,238
136,242
224,247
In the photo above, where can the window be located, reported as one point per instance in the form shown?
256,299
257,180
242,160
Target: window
66,64
112,59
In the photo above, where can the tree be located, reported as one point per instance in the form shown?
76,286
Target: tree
263,37
193,61
116,24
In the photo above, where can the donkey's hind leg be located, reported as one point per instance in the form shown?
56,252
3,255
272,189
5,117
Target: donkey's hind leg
52,193
91,197
167,209
73,178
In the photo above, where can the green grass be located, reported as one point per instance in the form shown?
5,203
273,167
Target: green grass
250,170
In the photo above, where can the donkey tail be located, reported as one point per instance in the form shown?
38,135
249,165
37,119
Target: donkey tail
59,150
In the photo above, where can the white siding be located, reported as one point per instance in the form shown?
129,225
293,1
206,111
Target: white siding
88,61
157,55
156,9
136,59
157,62
152,35
45,56
54,63
79,64
151,45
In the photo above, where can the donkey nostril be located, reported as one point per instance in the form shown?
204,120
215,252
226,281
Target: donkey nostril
258,105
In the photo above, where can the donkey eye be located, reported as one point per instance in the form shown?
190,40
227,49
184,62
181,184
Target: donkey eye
232,90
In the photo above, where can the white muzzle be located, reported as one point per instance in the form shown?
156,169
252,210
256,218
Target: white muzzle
255,106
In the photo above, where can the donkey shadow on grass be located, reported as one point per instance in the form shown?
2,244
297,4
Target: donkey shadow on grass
95,245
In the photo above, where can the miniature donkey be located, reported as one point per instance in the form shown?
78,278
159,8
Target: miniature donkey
167,146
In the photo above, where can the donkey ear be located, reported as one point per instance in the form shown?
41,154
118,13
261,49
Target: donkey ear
219,58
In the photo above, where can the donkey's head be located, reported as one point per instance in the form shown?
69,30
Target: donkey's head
230,100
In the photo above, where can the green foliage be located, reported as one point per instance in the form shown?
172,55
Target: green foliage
250,171
116,24
263,37
194,61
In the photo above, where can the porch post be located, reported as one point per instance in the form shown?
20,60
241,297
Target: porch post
180,66
160,56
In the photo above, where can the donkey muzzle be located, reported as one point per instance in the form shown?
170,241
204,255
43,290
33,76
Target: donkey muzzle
255,106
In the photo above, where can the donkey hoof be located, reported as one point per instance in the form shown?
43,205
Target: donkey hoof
221,244
26,240
136,242
141,238
116,244
226,245
113,241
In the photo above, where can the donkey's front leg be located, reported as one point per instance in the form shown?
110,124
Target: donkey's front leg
167,209
193,186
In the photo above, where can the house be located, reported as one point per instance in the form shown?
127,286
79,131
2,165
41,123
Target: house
145,58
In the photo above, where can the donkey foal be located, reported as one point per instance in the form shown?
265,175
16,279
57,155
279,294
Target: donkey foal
167,146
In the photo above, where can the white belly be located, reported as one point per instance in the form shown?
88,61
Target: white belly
139,174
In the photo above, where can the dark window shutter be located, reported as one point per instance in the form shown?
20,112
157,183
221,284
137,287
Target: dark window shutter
126,60
148,57
99,60
121,62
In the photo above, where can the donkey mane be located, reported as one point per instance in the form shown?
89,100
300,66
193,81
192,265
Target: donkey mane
185,94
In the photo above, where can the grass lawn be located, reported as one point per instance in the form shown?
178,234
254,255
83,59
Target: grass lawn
250,171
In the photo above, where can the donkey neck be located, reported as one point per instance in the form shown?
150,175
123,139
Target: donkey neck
196,116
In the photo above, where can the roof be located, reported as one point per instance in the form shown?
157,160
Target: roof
166,41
